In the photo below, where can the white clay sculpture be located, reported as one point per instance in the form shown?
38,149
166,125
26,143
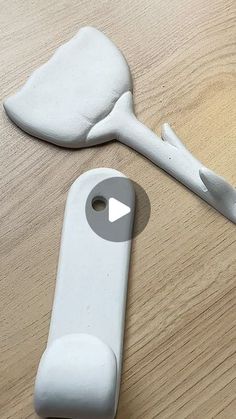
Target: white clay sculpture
83,96
80,370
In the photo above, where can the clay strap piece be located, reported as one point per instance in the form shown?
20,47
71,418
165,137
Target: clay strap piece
83,96
80,371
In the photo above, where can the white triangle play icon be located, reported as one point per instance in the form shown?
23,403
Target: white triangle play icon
117,210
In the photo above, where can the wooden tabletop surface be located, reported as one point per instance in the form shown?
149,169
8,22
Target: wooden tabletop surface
180,343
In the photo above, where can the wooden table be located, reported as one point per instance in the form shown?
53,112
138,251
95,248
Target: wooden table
180,346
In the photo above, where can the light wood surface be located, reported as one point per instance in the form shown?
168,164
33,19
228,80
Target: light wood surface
180,346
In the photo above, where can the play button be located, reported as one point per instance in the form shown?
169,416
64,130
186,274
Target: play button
112,206
117,210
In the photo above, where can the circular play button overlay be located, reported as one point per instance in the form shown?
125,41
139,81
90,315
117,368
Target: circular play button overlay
117,209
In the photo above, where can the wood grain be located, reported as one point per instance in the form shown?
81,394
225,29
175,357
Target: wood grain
180,346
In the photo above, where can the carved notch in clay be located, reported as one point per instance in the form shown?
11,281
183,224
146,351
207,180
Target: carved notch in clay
83,96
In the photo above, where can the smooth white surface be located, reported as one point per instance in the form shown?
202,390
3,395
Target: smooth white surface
167,152
117,210
82,97
77,87
76,379
79,373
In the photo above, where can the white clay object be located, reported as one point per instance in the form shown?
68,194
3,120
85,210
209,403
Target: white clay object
79,372
83,96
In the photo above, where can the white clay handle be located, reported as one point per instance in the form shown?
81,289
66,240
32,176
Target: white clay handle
79,373
169,153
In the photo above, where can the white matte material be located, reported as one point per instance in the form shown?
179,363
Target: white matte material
167,152
82,97
77,87
79,373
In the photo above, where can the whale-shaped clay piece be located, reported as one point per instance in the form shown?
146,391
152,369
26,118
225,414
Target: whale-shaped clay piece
83,96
